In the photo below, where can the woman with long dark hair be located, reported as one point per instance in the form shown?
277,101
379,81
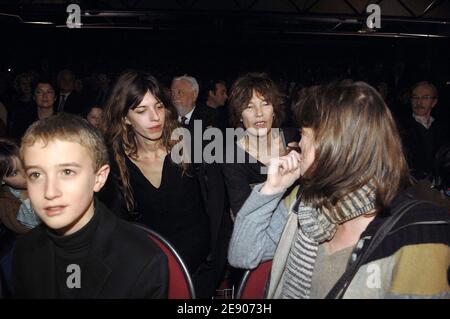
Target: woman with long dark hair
147,185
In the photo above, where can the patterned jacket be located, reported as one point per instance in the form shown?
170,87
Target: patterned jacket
411,262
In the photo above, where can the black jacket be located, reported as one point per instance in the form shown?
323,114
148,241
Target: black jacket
207,115
122,263
421,144
215,202
75,104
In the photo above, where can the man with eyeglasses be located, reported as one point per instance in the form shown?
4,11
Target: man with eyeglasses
423,134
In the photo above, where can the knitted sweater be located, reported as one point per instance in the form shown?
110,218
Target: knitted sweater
412,262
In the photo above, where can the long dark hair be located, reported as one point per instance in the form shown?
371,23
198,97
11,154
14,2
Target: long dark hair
127,93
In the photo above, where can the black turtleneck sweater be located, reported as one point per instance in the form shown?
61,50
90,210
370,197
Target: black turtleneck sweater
69,250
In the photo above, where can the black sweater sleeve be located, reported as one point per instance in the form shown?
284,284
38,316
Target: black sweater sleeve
237,184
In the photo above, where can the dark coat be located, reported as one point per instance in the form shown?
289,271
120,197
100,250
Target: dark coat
421,144
213,193
122,263
216,206
208,115
212,271
75,104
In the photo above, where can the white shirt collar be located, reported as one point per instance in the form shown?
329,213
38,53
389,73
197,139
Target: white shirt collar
423,120
188,116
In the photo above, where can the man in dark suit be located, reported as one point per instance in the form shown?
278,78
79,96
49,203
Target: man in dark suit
185,90
81,250
69,100
423,134
216,98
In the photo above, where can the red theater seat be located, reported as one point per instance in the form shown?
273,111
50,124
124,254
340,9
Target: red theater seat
180,282
253,283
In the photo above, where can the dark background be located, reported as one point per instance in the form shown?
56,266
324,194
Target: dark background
303,41
227,37
220,53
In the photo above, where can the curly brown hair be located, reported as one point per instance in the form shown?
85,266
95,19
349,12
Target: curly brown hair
241,93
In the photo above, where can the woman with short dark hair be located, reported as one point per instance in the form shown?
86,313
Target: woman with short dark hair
44,98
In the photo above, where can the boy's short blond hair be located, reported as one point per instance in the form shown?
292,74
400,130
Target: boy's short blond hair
68,127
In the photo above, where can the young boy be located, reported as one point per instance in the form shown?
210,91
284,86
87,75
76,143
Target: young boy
82,250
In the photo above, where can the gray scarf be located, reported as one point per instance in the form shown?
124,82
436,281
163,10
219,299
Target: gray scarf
315,227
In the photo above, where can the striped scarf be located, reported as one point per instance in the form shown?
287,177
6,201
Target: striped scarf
315,227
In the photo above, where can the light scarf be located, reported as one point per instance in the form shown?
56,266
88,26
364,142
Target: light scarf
315,227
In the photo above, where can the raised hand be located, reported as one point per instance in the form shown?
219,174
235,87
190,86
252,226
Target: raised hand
282,173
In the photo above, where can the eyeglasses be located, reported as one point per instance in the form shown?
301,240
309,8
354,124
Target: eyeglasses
425,97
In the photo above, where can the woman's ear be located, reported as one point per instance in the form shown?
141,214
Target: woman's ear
126,120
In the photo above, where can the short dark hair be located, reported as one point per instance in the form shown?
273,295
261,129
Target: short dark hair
211,85
62,72
88,110
42,79
8,150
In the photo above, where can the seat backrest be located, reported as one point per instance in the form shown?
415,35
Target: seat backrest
254,281
180,282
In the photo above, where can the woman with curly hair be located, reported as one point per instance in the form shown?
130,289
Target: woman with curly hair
256,107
